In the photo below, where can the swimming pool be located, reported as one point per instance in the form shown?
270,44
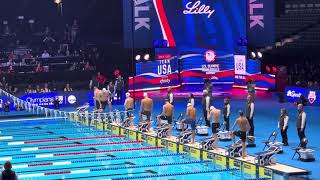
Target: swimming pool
61,149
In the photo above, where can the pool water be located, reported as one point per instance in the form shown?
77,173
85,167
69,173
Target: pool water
60,149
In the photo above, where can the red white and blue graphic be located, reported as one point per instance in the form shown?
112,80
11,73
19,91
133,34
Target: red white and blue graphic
200,64
251,69
153,75
217,24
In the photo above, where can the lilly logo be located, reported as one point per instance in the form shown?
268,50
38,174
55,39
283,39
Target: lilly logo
197,8
293,94
312,97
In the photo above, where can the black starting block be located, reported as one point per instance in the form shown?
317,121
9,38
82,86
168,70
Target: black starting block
185,137
235,150
264,158
208,143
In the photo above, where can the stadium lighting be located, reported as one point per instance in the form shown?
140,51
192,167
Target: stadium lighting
259,54
57,1
138,57
146,57
253,54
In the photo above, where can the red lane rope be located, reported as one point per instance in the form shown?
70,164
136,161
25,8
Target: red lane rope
56,173
43,164
106,151
72,139
85,145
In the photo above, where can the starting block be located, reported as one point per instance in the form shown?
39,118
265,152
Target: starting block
143,127
235,149
126,122
208,143
83,109
185,137
162,132
264,158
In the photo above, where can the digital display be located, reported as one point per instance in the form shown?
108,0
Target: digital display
200,64
211,24
156,74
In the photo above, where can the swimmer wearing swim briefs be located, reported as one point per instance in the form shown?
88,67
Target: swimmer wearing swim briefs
167,114
146,108
244,127
214,115
105,99
129,105
190,119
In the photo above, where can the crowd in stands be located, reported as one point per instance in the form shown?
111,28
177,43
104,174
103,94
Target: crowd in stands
305,75
24,45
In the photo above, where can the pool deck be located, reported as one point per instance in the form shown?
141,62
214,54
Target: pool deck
218,155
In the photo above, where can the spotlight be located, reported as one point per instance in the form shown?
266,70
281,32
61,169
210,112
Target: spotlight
253,55
57,1
259,54
138,57
146,57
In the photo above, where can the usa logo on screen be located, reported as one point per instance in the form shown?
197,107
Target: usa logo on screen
210,56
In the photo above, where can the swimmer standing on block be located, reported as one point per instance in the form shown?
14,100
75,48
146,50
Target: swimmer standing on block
190,119
146,108
167,113
244,127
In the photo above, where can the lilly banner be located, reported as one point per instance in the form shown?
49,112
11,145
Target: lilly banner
294,94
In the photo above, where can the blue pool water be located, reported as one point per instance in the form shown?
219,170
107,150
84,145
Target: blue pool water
59,149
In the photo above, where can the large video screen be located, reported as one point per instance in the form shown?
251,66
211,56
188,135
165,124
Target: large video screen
210,24
213,24
200,64
153,75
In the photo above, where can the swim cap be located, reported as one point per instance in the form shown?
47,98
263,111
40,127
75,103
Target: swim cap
212,107
240,112
127,94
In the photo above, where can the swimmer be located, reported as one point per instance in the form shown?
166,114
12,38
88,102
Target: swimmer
167,113
105,99
244,127
214,114
190,119
146,108
129,105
